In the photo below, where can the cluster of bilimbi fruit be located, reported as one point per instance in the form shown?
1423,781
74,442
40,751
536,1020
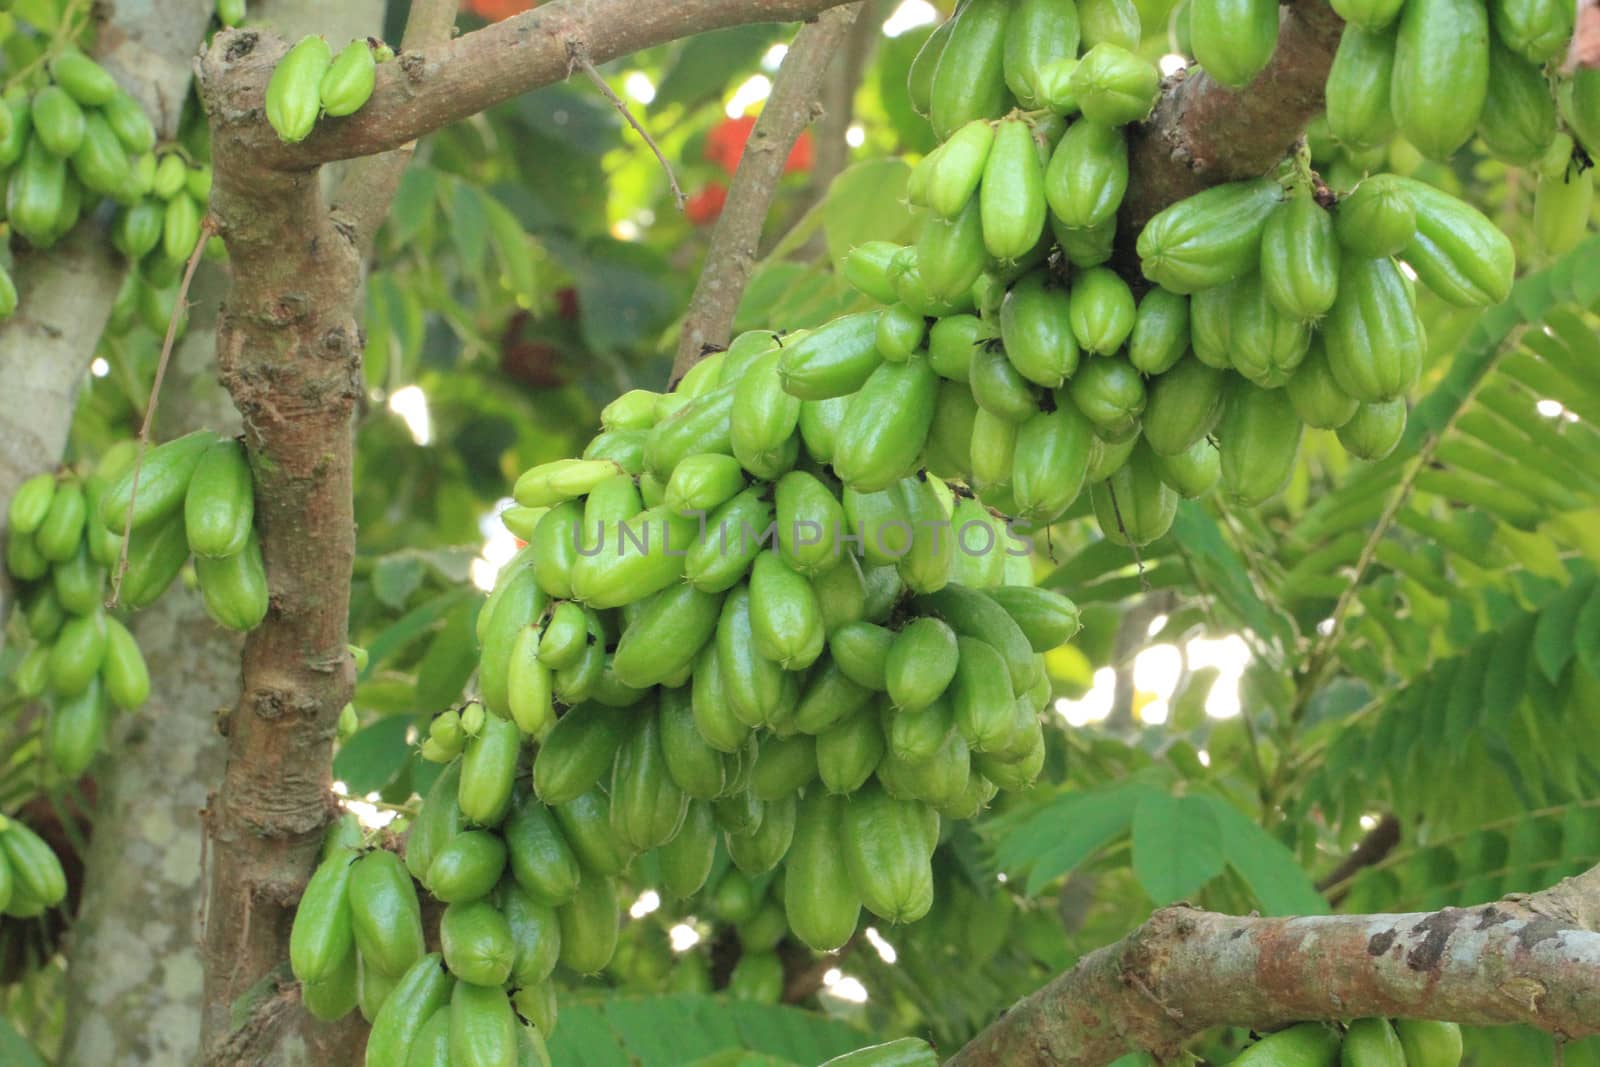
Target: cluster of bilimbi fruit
66,539
1363,1043
310,82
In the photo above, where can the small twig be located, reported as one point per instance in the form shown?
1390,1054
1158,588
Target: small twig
179,306
579,60
731,258
1373,848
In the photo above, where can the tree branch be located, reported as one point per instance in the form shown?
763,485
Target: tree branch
737,237
1530,959
1378,843
433,87
1202,133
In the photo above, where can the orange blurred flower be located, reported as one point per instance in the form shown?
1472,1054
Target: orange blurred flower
495,10
704,207
725,146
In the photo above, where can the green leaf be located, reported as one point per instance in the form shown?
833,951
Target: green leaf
708,62
1064,833
413,624
1588,634
1177,845
395,578
16,1050
867,202
451,658
413,203
469,226
373,755
1278,882
678,1029
1189,702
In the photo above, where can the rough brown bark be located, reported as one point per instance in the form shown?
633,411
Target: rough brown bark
1528,959
737,237
1202,134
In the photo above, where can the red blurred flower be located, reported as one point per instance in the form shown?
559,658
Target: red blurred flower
495,10
704,207
725,145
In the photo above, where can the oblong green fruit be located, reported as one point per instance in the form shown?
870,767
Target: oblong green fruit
530,685
1109,21
385,915
920,663
1134,506
1457,251
1036,330
219,503
78,581
1441,73
483,1027
701,483
969,81
950,345
100,162
1045,617
1538,29
714,717
1303,1045
1370,15
541,861
810,519
1428,1043
981,696
87,81
431,1048
1561,207
163,482
1267,344
335,995
1113,85
58,120
1103,310
848,752
686,860
697,768
625,448
664,638
833,360
1160,331
321,935
131,124
294,92
586,824
1088,175
1372,336
783,765
1184,406
1300,258
972,613
1209,238
979,536
1011,198
1377,219
1519,114
1259,438
35,869
578,751
999,388
763,849
1233,39
1052,457
77,654
647,805
76,729
701,425
488,771
764,416
1038,33
554,548
1110,394
1375,429
1371,1043
36,193
885,855
734,535
421,992
466,866
349,80
785,614
948,453
819,902
929,557
829,696
866,268
123,670
59,536
437,822
917,736
950,256
1193,472
861,651
31,503
139,228
640,556
235,587
886,425
1316,396
477,942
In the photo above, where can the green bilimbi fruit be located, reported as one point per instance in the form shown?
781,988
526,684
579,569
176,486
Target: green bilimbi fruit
170,177
699,426
1036,330
1184,406
1316,396
1111,395
1103,310
30,504
1539,30
1457,251
819,425
1259,438
1233,39
958,168
861,649
438,822
1304,1045
1134,506
422,991
979,537
830,696
76,730
139,228
969,81
586,824
488,771
466,866
565,636
1371,1043
662,641
753,684
1377,219
580,748
927,562
866,268
885,854
386,918
1045,617
1039,33
640,556
322,935
294,92
833,360
483,1027
920,664
849,752
950,255
993,450
948,452
1011,197
1267,344
58,121
1053,452
77,654
820,903
810,520
785,614
764,848
553,549
1209,238
1374,430
998,387
131,124
625,448
900,332
87,81
981,695
763,419
1441,73
917,736
1109,22
1193,472
1115,87
971,613
687,859
734,536
36,193
1088,175
699,769
714,718
101,163
349,80
1372,336
647,806
1519,115
180,228
163,483
1300,258
219,504
1428,1043
886,425
541,861
123,670
1561,206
